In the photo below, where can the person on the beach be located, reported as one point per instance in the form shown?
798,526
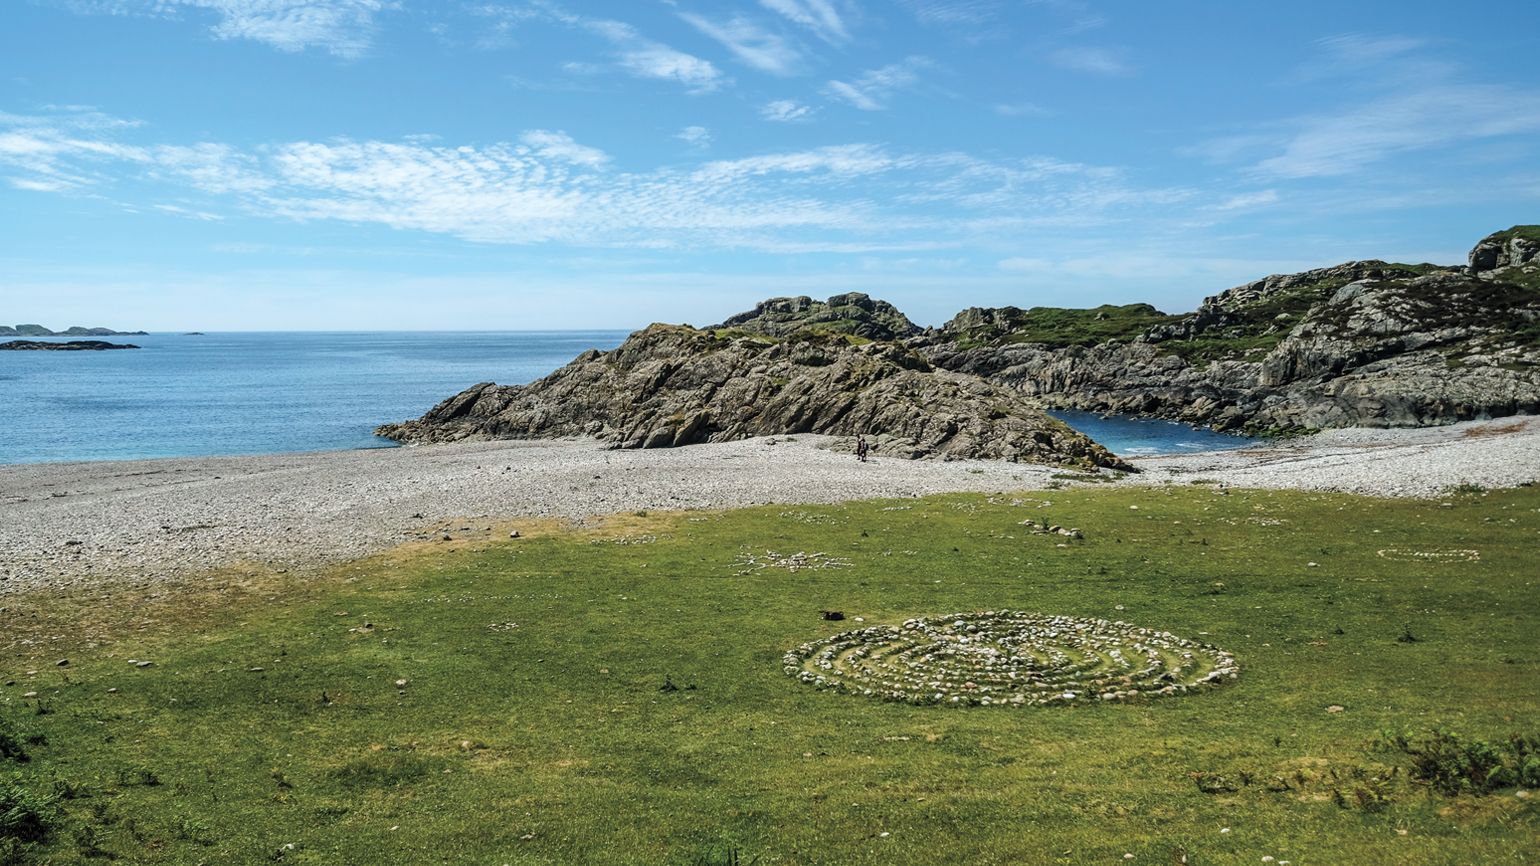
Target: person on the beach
861,448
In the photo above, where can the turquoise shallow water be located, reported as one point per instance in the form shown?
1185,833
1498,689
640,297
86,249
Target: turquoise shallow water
1144,437
258,393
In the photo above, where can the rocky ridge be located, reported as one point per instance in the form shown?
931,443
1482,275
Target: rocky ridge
1365,344
671,385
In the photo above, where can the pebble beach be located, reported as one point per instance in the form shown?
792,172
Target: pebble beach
75,525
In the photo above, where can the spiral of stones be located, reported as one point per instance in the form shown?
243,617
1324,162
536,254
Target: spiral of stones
1009,658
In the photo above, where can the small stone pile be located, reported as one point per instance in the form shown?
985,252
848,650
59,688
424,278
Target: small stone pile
1046,528
1009,658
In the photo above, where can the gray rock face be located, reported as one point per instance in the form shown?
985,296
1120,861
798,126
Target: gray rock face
671,385
1360,344
852,313
1514,248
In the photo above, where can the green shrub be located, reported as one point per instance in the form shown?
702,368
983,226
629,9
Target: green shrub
24,815
1452,764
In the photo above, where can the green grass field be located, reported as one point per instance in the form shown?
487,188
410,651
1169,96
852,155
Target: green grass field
505,702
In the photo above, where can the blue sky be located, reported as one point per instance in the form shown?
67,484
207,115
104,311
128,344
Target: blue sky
385,164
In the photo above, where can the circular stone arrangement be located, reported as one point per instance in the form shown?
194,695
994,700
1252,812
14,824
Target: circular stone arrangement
1010,658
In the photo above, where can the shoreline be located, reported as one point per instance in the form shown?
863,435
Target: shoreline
86,524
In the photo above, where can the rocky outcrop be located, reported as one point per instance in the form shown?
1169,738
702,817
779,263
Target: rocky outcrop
71,346
1361,344
852,313
669,386
1518,247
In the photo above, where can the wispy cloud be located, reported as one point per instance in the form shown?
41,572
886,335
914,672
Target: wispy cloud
871,91
820,16
785,111
345,28
1249,200
954,12
560,147
632,51
1365,49
695,136
1097,61
546,187
1427,118
1401,103
750,43
1021,109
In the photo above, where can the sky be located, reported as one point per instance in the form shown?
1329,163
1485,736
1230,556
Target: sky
556,164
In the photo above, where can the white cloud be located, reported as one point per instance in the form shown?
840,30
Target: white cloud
1097,61
342,27
750,43
547,187
819,16
695,136
559,146
871,91
668,64
785,111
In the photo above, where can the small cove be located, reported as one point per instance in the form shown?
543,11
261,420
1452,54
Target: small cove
1128,436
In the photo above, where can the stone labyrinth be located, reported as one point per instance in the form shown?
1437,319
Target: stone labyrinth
1011,658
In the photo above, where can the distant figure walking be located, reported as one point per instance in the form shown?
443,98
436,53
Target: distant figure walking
862,449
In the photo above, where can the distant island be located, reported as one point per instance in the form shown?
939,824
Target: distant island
71,346
72,331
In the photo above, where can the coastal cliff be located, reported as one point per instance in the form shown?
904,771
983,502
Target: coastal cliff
670,385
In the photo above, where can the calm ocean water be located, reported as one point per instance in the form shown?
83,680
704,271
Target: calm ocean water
257,393
254,393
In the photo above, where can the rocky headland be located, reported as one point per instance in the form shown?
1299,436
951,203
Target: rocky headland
672,385
1361,344
71,346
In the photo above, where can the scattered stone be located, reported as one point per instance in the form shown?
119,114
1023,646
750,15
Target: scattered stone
1335,708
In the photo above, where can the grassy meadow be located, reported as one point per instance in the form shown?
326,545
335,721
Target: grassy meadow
614,693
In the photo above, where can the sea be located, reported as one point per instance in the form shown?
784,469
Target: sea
185,395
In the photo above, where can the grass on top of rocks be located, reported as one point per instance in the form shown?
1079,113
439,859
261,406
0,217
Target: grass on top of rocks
616,695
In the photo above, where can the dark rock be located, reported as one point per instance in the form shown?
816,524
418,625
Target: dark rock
71,346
